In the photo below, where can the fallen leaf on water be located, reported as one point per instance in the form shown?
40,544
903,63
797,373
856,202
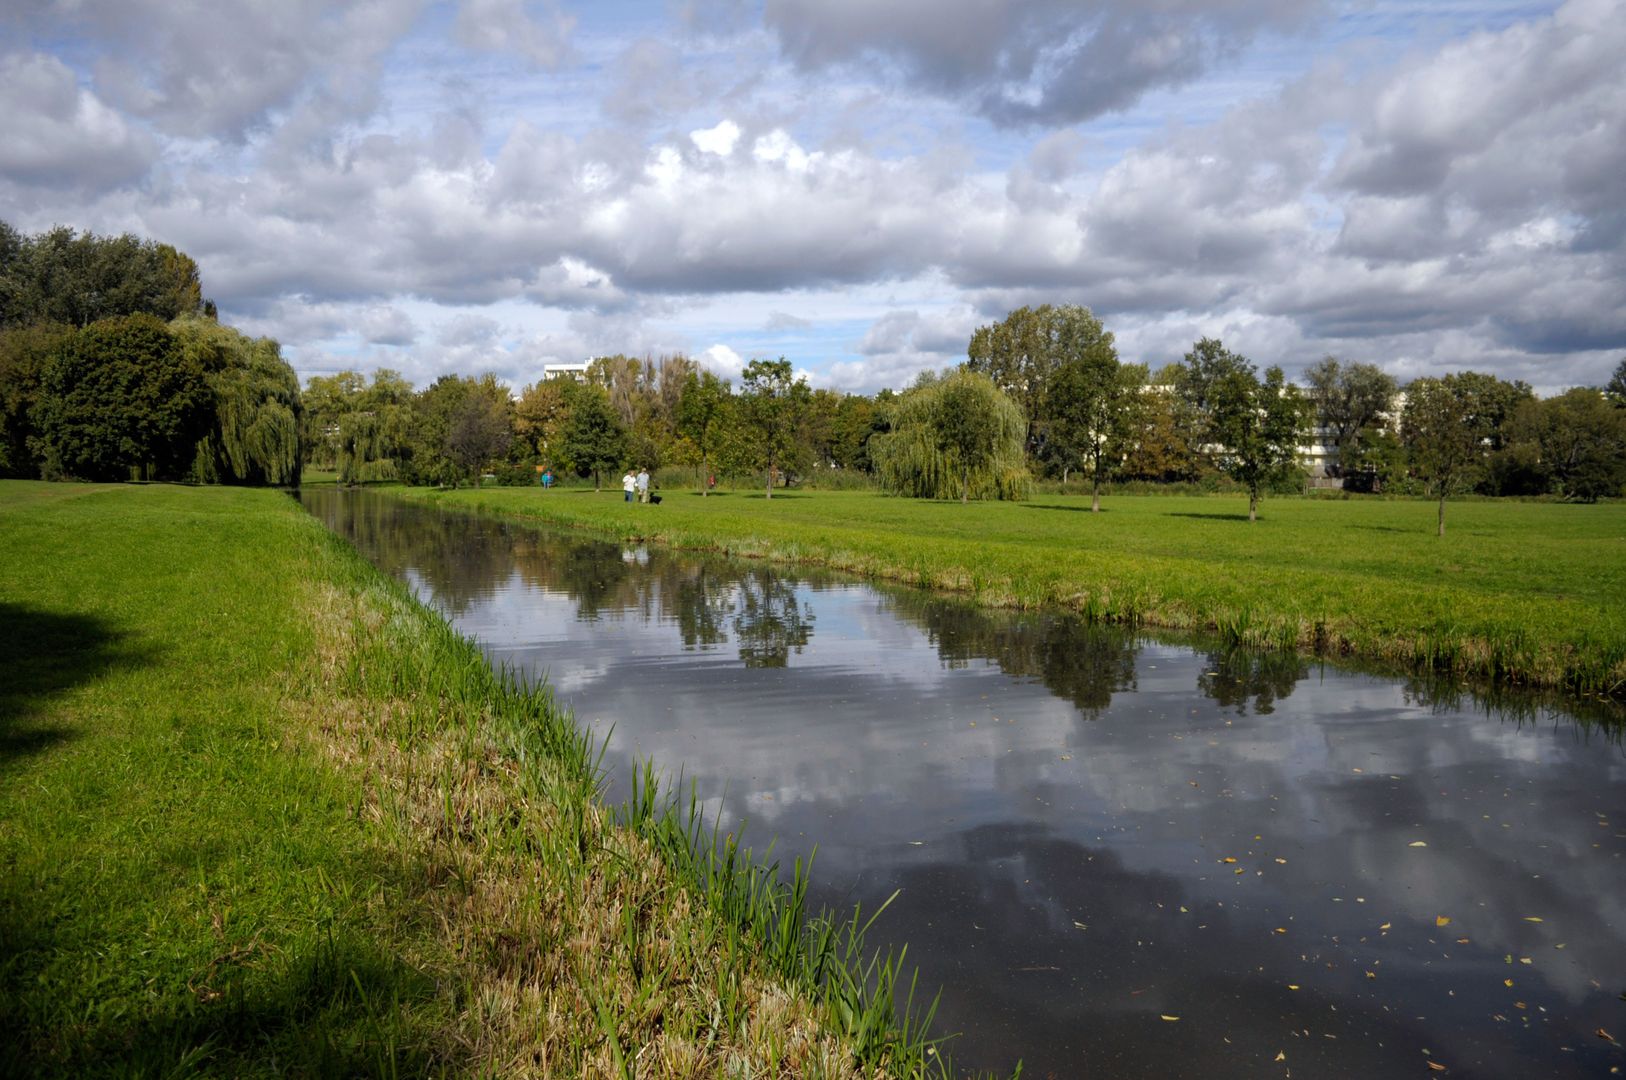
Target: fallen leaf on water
1281,929
1371,975
1081,926
1602,1034
1442,920
1462,941
1281,1055
1166,1016
1531,918
1227,859
916,843
1525,960
1292,986
1507,982
1435,1066
1240,870
1418,843
1282,861
1385,926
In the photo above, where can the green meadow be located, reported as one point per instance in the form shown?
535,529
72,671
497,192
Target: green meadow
263,814
1521,592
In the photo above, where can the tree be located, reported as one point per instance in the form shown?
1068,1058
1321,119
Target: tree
1255,426
541,413
1446,429
1349,400
959,435
79,278
1023,352
327,398
23,355
1197,382
1578,441
1158,449
480,431
255,437
701,412
593,440
1094,406
772,406
1616,390
122,396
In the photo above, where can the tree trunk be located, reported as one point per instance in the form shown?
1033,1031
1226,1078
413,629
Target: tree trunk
1253,506
1442,515
1095,493
705,488
965,486
595,482
769,495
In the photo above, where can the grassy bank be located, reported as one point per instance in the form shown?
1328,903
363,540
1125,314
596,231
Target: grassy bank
1516,592
260,813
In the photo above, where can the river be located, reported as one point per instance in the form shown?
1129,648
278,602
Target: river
1119,855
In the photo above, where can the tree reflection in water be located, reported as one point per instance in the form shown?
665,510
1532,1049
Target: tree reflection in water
770,619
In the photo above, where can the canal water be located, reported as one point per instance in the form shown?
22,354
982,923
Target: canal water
1118,855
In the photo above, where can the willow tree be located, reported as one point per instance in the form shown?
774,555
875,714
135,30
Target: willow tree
955,436
255,437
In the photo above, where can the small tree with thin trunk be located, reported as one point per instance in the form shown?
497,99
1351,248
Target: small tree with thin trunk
773,406
1256,425
1093,407
1444,428
701,412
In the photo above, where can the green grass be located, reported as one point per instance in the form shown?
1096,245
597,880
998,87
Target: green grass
261,813
1531,593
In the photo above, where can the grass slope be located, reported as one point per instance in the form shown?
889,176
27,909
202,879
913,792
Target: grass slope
1522,592
261,813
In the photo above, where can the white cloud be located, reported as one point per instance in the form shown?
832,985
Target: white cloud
717,140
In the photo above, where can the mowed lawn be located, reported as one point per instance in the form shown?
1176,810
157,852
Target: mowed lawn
261,814
1530,592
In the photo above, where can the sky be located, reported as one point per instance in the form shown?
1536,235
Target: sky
855,185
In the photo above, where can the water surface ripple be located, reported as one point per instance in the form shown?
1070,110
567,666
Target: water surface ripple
1118,856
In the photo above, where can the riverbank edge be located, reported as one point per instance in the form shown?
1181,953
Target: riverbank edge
1515,659
587,940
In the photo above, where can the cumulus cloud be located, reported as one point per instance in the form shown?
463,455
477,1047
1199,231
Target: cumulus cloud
62,135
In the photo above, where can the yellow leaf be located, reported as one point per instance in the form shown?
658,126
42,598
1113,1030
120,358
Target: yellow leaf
1531,918
1435,1066
1281,1055
1442,920
1385,926
1281,929
1228,859
1166,1016
1292,986
1418,843
1507,982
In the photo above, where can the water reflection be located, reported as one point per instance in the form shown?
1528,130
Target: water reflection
1093,831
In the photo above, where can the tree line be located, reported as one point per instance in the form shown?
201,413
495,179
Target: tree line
113,366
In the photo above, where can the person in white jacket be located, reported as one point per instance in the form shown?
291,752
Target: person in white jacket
629,483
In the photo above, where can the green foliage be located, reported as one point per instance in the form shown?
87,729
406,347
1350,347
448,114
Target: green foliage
702,411
1577,442
1096,409
955,437
1350,402
1256,427
771,411
1449,426
593,440
122,396
481,430
257,413
23,353
1615,391
77,279
1023,352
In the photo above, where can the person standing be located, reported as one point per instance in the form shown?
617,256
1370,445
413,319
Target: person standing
643,485
629,483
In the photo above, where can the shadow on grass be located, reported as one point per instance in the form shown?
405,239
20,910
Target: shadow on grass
330,1003
1243,516
1064,509
45,654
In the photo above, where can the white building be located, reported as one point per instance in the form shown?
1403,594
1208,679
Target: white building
572,371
